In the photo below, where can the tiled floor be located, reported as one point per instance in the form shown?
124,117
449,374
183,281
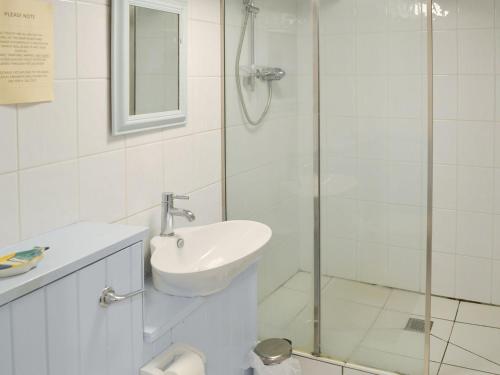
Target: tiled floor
365,324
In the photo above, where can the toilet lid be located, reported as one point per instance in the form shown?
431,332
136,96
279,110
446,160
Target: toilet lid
274,351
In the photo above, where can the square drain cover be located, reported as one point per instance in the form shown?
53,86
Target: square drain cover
416,325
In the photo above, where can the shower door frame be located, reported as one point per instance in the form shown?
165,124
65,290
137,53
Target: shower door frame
315,8
315,22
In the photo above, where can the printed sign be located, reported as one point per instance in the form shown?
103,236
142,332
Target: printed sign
26,51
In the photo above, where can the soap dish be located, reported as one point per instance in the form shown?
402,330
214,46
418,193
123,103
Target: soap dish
17,263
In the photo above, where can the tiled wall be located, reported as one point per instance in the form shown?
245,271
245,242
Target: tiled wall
58,162
373,115
467,150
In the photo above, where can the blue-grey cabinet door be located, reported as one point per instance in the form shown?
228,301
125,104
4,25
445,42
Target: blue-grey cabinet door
61,329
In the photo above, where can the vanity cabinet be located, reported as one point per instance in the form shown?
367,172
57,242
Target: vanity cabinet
60,328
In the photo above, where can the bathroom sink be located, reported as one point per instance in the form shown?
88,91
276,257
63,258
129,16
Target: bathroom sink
203,260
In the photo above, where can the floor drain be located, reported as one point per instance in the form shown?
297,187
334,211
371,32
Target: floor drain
416,325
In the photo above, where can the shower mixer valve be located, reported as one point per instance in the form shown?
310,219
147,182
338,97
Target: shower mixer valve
264,73
253,72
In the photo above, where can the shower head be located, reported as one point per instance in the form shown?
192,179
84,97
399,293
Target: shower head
250,7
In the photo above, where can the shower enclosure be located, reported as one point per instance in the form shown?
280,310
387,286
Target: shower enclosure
328,106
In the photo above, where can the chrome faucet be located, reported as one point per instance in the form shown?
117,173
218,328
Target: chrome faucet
168,212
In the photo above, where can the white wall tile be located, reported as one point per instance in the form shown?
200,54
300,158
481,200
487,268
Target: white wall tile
142,138
445,97
445,142
93,23
445,16
102,187
373,262
371,53
445,186
372,96
9,207
497,145
496,237
340,15
207,153
49,198
405,140
371,137
373,179
8,139
144,177
203,40
497,190
371,16
205,10
179,177
206,205
476,51
475,144
94,118
405,229
496,283
473,278
475,189
405,183
474,234
497,46
475,13
204,103
444,231
476,98
404,96
443,274
48,131
445,52
341,258
403,268
339,56
405,52
341,96
64,39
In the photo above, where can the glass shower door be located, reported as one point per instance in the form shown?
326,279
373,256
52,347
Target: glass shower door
373,80
269,174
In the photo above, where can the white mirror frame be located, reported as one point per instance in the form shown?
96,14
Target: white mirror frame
122,121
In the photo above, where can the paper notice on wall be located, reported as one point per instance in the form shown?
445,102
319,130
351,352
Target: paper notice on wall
26,51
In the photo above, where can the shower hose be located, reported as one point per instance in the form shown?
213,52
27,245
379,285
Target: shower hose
238,80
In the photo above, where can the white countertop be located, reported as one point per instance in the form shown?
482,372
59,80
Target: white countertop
71,248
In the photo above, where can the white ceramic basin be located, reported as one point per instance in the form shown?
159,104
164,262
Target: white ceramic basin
212,256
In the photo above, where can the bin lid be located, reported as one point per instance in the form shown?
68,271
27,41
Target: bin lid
274,351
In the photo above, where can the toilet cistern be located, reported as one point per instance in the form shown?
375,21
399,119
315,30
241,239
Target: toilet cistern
168,212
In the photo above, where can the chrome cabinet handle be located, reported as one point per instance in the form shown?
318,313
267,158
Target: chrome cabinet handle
109,296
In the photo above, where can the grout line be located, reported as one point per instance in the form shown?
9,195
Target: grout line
468,351
449,338
480,372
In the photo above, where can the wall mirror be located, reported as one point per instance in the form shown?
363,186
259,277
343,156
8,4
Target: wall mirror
148,67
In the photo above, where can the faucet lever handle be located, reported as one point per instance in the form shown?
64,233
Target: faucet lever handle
169,197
